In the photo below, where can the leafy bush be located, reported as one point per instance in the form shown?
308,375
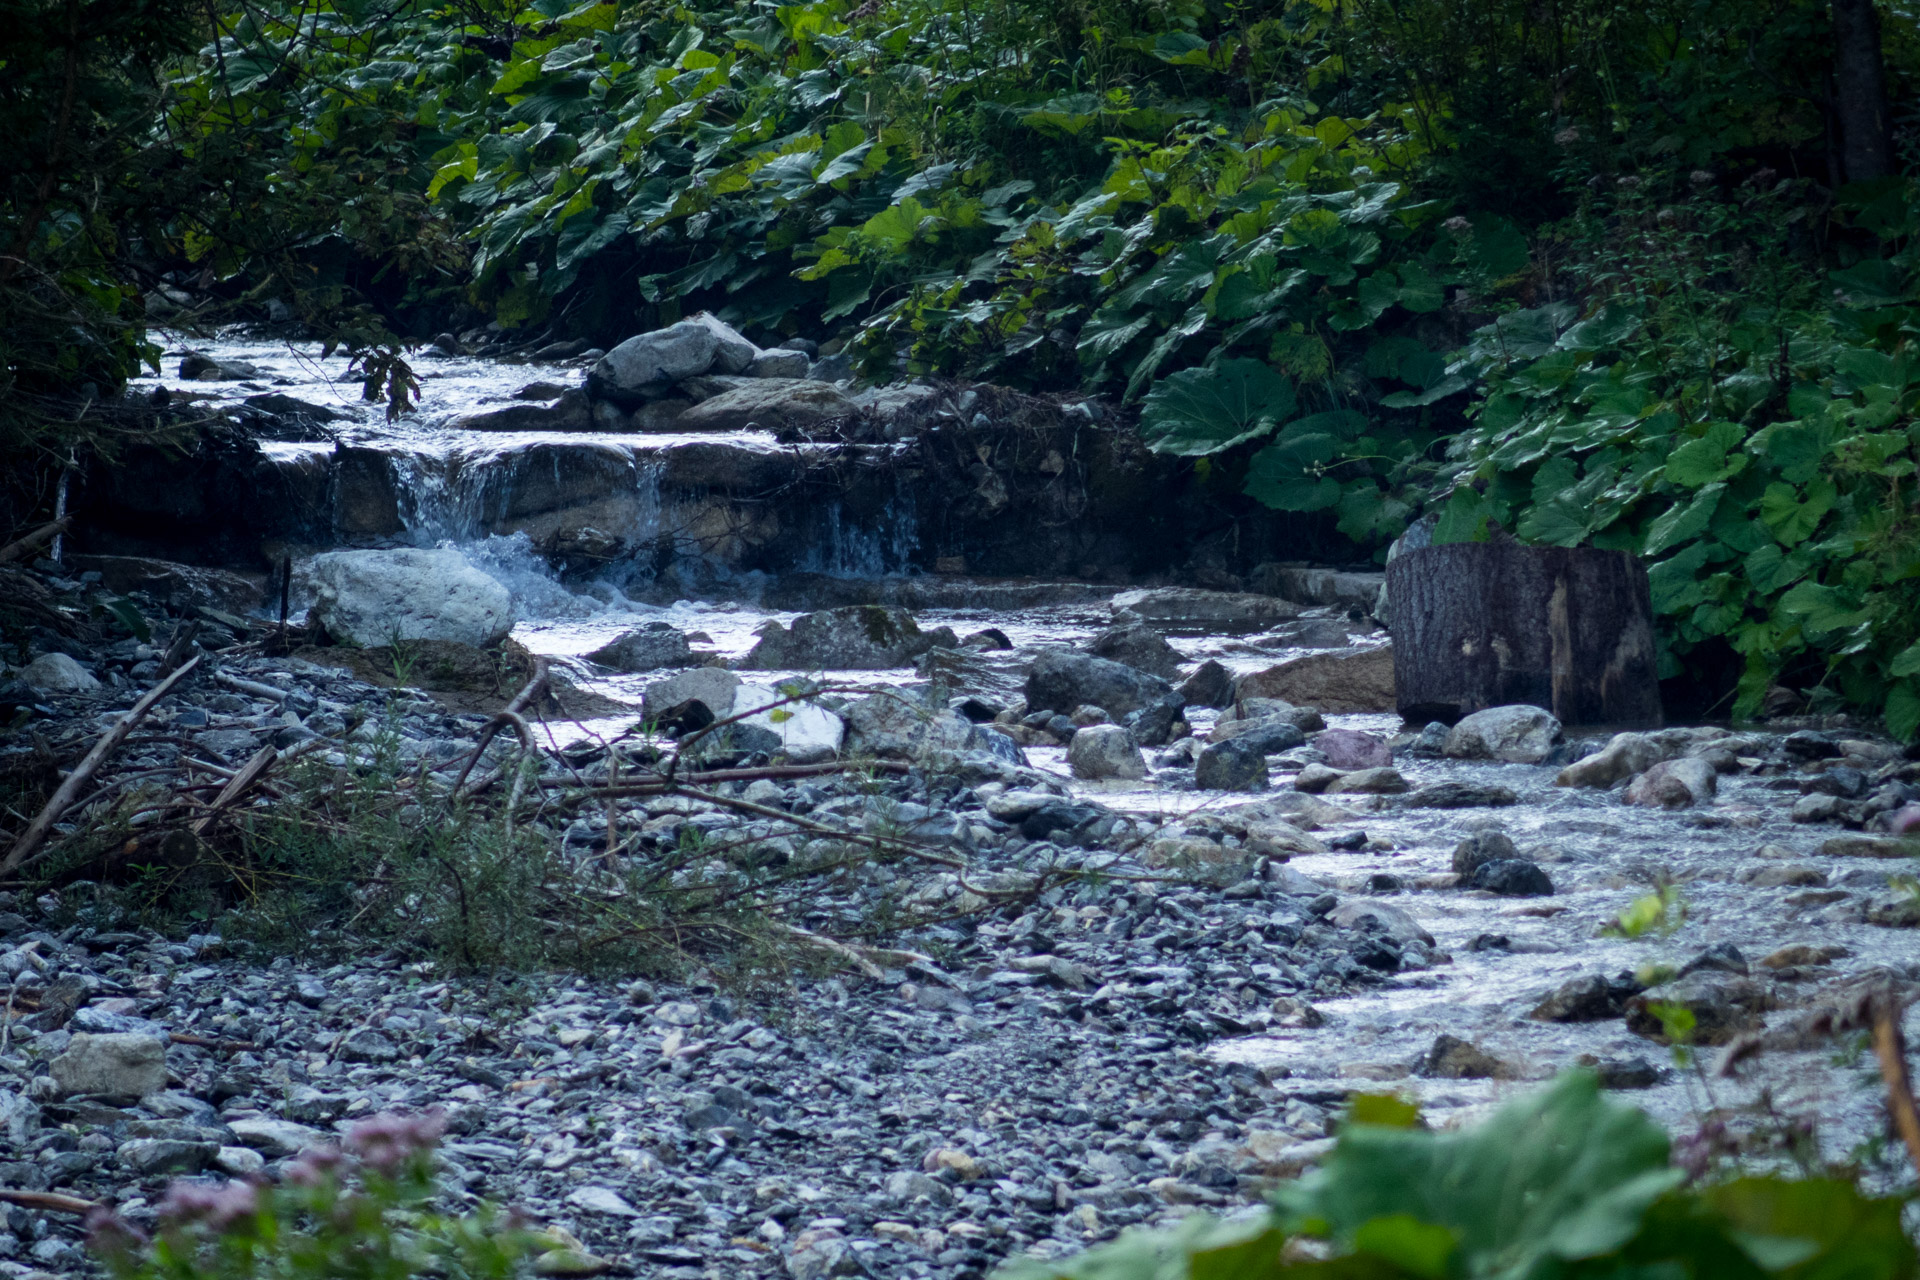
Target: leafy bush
1564,1183
365,1211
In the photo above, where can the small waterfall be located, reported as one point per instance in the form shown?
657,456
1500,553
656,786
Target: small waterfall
840,548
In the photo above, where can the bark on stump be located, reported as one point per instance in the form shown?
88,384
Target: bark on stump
1489,624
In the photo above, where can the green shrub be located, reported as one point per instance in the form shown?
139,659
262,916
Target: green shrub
1563,1183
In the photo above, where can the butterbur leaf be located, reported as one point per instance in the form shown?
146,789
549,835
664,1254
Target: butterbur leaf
1906,662
1902,712
1820,1228
128,615
1201,411
1791,519
1684,520
1420,1248
1560,1175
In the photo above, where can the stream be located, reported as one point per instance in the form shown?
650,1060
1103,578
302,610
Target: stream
1602,854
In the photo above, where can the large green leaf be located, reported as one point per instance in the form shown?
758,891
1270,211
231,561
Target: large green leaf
1561,1175
1201,411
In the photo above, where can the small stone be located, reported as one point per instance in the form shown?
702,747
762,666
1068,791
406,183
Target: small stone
1623,757
1316,778
368,1045
275,1138
1722,1005
1451,1058
1460,795
1815,808
1520,734
1721,957
1352,749
1511,878
601,1200
1480,848
1230,766
1802,955
239,1162
150,1156
1592,998
646,648
1674,784
1376,782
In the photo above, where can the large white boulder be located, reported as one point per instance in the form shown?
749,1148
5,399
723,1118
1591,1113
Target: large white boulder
808,733
58,673
373,598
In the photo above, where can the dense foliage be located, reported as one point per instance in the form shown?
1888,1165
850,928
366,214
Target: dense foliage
1496,260
1564,1183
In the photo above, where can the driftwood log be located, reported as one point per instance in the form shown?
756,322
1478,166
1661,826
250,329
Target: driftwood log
1489,624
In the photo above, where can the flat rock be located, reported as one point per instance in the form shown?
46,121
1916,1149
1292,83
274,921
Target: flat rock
1339,681
770,404
1187,608
1674,784
1460,795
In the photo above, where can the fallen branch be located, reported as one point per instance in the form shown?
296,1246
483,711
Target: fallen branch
254,687
20,546
250,772
1891,1048
509,716
69,791
208,1042
52,1201
850,954
657,784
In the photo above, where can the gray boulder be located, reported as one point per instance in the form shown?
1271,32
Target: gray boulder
713,687
372,598
1723,1006
1231,766
1139,647
1674,784
1063,682
568,411
770,404
1210,685
1191,607
122,1065
58,673
1625,755
1268,735
903,725
779,363
805,732
1521,734
1105,751
1334,680
859,637
646,648
1481,848
648,363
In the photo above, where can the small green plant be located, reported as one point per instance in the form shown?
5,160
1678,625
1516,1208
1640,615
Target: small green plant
1563,1183
1658,914
365,1210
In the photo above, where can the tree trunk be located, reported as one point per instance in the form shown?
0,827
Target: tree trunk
1488,624
1860,92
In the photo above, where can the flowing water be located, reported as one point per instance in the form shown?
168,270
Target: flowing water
1601,854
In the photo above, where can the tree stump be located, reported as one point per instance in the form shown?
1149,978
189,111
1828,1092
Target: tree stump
1489,624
